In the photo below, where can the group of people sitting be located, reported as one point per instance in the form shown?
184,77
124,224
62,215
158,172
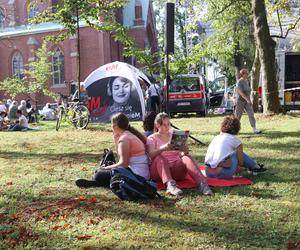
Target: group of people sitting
154,157
14,117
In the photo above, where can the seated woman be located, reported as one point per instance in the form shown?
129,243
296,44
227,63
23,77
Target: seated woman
131,146
21,124
148,123
3,121
225,155
170,165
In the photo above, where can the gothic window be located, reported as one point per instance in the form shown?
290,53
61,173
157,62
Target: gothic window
58,66
32,11
17,65
2,17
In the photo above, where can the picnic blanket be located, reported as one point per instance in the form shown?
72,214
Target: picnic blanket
188,182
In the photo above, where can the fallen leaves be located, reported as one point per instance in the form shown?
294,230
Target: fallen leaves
63,227
88,200
293,244
83,237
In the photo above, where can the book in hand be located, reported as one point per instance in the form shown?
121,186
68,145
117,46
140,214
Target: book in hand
179,138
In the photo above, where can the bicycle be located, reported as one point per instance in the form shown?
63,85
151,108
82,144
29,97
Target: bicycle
75,112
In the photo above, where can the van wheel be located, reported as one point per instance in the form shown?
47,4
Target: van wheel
202,113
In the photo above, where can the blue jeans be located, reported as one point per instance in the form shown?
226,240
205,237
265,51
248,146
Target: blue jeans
227,173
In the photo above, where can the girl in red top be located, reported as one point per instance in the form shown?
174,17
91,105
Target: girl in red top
130,145
170,165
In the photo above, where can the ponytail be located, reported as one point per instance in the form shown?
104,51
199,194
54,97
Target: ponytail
122,122
137,133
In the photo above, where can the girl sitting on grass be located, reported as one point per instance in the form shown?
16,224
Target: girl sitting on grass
131,151
170,165
225,155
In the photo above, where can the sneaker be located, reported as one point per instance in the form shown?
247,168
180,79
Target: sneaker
205,189
172,189
259,167
256,131
83,183
252,172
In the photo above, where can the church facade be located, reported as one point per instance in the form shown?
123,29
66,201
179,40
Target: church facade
19,40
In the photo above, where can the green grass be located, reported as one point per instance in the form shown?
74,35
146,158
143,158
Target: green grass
41,208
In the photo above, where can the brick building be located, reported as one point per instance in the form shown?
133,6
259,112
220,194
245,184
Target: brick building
19,40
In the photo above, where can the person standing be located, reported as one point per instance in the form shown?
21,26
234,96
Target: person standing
154,93
243,102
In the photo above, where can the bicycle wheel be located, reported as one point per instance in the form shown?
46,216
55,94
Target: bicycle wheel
59,118
81,116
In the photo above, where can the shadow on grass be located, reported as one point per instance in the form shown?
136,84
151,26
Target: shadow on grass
229,225
272,134
50,156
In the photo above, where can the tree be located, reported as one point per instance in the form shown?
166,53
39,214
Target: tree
266,48
97,14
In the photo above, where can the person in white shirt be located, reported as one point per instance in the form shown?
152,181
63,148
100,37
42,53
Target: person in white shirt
154,92
22,123
23,108
2,107
3,121
225,155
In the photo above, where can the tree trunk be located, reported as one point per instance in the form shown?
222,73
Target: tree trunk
266,46
254,82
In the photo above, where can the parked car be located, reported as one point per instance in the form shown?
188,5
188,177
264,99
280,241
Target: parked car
222,97
189,93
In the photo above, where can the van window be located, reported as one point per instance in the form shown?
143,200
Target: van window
184,85
218,85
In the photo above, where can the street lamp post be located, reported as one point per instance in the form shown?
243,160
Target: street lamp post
78,51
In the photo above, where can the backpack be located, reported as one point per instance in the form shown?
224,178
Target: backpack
108,158
129,186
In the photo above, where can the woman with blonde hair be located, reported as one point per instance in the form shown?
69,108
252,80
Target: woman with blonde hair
170,165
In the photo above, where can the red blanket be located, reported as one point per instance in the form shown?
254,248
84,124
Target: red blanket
188,182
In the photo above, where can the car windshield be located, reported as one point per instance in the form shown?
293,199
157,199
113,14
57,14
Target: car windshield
218,85
184,85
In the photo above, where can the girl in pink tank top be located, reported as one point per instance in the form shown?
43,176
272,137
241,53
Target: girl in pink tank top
131,146
169,165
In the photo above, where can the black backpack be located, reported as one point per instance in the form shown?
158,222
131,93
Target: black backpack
129,186
107,158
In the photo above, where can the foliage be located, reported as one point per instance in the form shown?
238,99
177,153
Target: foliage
36,77
13,86
231,24
100,15
41,208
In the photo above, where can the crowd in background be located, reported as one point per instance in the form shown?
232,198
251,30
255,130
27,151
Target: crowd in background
15,116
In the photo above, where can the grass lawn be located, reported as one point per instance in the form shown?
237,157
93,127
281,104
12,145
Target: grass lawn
41,208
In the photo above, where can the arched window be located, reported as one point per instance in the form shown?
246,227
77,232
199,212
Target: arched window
32,10
17,65
58,66
2,18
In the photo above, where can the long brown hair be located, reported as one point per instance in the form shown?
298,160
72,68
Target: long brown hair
159,119
122,122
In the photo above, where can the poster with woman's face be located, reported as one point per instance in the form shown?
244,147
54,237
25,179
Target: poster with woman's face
111,95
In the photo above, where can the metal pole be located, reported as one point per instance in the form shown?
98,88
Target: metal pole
167,84
78,52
